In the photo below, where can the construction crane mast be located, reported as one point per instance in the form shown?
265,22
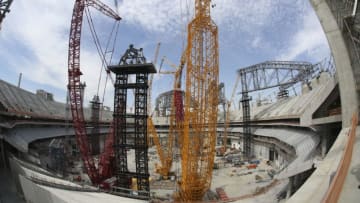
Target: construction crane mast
150,124
152,78
176,120
227,116
201,102
96,175
4,8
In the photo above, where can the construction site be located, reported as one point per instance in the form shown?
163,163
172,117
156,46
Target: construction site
191,143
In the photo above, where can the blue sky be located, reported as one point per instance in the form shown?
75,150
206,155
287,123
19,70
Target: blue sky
34,38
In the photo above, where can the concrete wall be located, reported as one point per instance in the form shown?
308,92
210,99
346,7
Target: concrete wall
36,194
263,152
317,184
341,56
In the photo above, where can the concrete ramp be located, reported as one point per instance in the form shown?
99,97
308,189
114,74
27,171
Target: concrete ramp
304,143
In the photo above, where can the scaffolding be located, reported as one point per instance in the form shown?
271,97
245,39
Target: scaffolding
132,63
95,131
57,156
4,9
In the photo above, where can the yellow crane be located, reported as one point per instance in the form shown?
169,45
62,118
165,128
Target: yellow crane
227,117
151,128
152,78
201,102
176,119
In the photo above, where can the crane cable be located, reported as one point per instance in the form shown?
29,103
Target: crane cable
108,73
102,54
97,43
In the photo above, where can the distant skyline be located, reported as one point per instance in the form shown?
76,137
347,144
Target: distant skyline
34,39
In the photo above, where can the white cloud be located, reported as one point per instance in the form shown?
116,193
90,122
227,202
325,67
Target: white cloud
42,26
154,16
243,15
256,43
170,16
309,40
39,26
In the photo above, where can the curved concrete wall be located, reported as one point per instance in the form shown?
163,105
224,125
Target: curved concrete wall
341,56
317,185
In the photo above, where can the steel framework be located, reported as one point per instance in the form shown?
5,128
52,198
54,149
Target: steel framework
133,62
4,8
75,96
152,78
171,104
227,116
222,98
199,136
269,74
95,131
163,103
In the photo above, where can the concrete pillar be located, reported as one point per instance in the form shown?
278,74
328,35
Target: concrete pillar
341,56
296,180
290,186
324,140
2,161
2,151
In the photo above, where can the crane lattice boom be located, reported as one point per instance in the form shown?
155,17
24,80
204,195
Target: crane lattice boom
201,101
4,9
227,116
74,86
176,120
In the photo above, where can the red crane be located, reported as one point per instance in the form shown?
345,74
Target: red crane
74,86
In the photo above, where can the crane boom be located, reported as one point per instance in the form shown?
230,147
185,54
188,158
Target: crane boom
176,119
4,9
227,117
74,86
201,102
152,78
151,128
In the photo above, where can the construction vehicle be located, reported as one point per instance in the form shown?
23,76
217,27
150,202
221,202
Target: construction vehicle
201,102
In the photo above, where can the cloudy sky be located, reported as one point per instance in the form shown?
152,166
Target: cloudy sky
34,38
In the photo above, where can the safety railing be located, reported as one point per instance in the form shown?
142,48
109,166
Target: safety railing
126,192
333,193
43,181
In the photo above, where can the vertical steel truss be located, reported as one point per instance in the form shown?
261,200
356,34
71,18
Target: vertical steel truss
247,138
131,135
120,130
199,136
140,132
4,8
141,148
95,131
